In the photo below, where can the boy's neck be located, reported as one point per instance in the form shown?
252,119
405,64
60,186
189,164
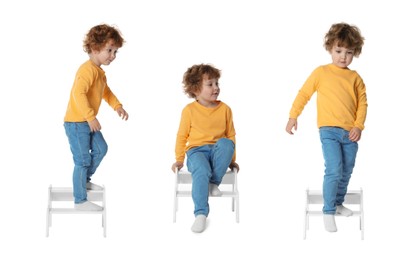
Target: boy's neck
207,104
92,59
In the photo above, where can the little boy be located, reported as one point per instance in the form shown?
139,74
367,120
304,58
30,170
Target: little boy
341,112
80,122
207,135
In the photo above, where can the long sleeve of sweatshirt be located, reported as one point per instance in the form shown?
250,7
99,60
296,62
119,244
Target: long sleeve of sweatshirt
341,97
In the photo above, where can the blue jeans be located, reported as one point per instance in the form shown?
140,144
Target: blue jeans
88,149
339,156
208,164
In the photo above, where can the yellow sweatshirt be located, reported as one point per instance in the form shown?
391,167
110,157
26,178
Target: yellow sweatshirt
89,88
200,125
341,97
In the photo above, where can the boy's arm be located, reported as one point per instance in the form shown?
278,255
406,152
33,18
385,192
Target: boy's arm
362,106
94,125
122,113
113,102
230,130
177,166
110,98
304,94
182,136
234,165
355,134
292,123
79,96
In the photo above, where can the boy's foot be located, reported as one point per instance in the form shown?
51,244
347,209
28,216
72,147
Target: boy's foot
92,186
87,206
341,210
199,224
329,223
214,190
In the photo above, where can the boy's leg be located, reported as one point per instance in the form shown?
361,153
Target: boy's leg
332,153
79,139
349,150
221,156
329,223
199,166
98,151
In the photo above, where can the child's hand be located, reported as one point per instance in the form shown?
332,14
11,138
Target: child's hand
355,134
292,123
122,113
177,165
234,165
94,125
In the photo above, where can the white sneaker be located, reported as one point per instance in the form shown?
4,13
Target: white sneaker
87,206
92,186
199,224
214,190
329,223
341,210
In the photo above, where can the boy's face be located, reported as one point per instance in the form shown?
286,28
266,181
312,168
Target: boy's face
209,92
341,56
106,55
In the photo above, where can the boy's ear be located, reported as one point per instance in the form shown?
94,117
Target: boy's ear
94,52
196,93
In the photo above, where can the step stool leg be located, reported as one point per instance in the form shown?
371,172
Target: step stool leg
306,213
233,198
237,201
176,186
362,224
104,223
305,225
104,215
175,207
48,224
48,213
362,214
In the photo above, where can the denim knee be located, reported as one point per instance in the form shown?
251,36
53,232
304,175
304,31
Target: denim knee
225,143
83,160
103,149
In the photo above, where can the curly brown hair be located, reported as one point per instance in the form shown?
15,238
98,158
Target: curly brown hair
193,78
99,36
344,35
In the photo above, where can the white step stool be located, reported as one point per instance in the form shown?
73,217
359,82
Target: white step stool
66,194
315,197
183,178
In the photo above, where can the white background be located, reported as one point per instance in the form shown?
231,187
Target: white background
266,50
